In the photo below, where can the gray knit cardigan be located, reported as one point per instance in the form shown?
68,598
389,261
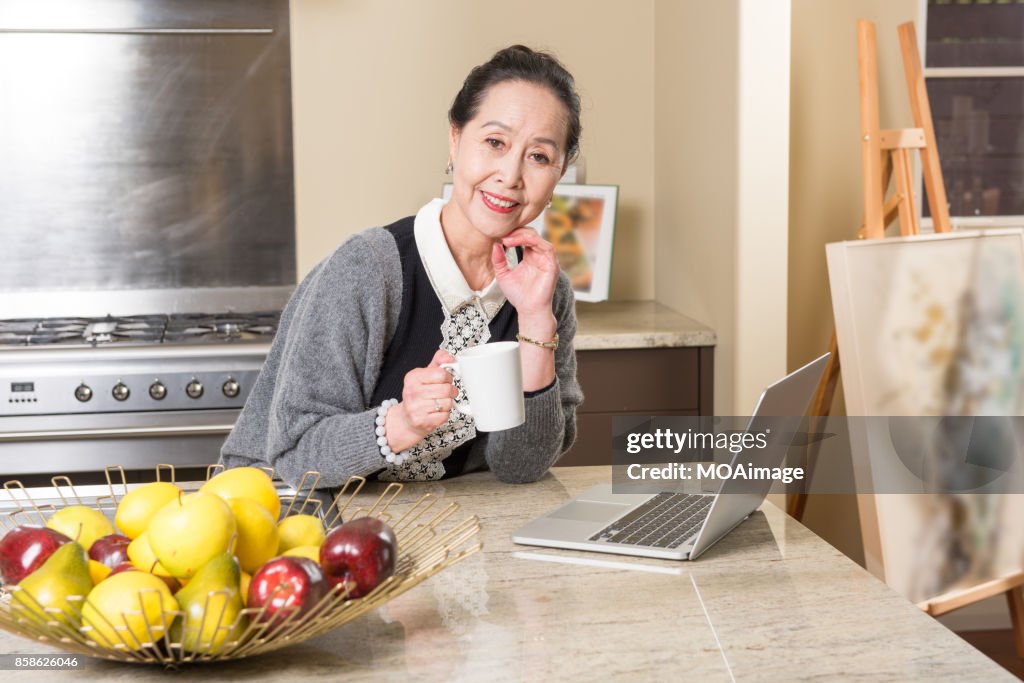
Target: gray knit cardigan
309,409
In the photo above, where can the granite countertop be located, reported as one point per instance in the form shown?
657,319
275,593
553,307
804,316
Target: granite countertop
637,325
770,602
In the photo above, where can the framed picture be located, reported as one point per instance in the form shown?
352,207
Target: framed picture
580,223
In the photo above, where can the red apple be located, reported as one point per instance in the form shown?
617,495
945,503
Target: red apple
362,551
123,567
284,585
110,550
25,548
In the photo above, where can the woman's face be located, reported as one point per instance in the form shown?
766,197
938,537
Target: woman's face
508,158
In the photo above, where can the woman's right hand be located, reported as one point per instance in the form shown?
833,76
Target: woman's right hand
427,398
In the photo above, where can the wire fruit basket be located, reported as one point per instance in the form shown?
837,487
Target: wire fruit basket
429,536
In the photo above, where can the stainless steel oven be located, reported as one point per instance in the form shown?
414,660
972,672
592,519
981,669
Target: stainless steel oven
78,394
147,230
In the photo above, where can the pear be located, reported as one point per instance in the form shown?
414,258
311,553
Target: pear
257,533
65,573
212,603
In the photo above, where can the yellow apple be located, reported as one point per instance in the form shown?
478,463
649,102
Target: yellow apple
246,482
81,523
187,533
310,551
298,530
128,610
143,557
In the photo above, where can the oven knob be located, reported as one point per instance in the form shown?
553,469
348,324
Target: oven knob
120,392
194,389
157,391
83,393
231,388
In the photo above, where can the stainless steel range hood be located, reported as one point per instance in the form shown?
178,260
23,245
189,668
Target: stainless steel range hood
146,160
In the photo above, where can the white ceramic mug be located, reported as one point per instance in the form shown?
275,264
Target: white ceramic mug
492,379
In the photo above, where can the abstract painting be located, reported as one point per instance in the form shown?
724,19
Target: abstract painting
933,326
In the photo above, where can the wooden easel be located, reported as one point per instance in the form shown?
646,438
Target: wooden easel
885,154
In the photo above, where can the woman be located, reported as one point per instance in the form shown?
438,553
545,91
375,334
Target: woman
353,383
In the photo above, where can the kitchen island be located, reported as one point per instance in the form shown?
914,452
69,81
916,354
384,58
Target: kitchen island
770,602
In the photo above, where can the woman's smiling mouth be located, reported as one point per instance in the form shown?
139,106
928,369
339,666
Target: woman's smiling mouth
498,203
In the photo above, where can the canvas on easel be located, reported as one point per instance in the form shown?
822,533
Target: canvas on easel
931,326
919,291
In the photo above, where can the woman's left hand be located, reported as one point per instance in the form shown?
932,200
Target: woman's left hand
530,286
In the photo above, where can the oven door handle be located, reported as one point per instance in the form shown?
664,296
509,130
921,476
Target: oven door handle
117,433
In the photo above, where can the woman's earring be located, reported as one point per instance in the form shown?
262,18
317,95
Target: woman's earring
550,199
448,170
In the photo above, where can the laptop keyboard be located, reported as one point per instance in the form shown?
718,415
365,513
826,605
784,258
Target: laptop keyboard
665,521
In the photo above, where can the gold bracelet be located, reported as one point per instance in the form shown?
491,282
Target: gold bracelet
553,344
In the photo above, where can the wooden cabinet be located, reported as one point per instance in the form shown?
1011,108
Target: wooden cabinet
652,381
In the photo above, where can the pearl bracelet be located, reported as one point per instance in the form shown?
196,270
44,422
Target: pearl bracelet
382,439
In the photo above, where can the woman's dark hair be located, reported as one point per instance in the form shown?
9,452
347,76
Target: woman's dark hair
520,63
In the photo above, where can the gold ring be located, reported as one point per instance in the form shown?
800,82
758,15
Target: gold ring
437,406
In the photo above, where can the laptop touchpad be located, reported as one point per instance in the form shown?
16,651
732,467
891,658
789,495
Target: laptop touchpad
589,511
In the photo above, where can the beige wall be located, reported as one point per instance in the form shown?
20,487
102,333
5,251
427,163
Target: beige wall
721,178
373,80
696,161
825,186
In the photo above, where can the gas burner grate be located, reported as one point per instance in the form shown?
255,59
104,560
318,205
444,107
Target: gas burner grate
201,327
35,338
111,330
140,329
39,332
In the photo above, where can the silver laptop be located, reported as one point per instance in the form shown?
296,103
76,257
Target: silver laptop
672,525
